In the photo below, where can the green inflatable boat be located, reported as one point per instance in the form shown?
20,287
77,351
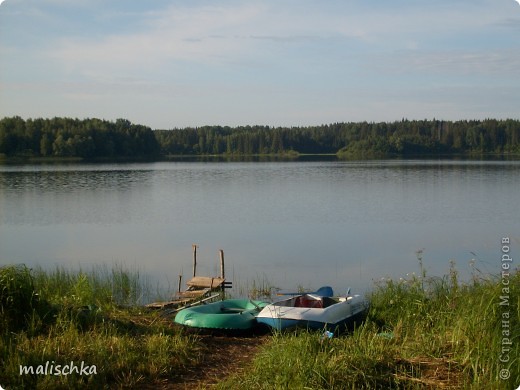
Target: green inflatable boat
231,314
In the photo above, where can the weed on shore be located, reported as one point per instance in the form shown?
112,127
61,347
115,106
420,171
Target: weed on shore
421,333
55,323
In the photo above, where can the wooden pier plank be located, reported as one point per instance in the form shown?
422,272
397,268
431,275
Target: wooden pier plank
205,282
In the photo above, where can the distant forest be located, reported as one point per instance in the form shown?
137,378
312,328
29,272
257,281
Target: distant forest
65,137
95,138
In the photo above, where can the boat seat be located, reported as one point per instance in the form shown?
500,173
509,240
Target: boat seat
305,301
328,302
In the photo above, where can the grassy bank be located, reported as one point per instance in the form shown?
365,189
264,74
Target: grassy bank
52,321
421,333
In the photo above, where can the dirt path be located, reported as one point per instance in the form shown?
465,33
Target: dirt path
225,356
222,356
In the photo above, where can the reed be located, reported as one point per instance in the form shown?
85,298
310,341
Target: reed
258,288
115,285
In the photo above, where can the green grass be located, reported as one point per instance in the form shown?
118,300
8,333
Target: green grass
420,333
61,317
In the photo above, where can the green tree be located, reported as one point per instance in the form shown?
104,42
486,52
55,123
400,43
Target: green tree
45,145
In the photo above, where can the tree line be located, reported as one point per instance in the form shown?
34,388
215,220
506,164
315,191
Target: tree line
95,138
404,137
66,137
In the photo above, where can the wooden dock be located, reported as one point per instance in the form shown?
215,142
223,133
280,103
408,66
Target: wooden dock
199,288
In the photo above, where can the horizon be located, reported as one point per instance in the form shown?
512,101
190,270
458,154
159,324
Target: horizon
268,126
172,65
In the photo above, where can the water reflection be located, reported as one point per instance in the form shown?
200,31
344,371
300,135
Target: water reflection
293,223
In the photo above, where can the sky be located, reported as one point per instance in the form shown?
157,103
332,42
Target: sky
174,64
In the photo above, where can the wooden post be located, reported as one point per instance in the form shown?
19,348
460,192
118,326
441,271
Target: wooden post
180,281
222,273
194,259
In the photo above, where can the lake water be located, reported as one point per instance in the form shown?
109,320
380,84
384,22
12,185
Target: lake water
290,223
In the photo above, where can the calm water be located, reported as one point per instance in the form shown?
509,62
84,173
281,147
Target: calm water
291,223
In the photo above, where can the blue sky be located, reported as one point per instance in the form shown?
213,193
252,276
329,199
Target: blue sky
168,64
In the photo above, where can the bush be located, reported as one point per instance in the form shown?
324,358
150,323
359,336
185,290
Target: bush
18,298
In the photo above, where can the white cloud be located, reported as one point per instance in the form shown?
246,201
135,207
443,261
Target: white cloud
493,62
222,35
175,34
280,60
212,35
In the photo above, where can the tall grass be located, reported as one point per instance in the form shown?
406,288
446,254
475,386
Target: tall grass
114,286
18,297
306,360
460,323
259,288
92,317
420,333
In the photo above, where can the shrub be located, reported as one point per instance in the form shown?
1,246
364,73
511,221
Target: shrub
18,298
